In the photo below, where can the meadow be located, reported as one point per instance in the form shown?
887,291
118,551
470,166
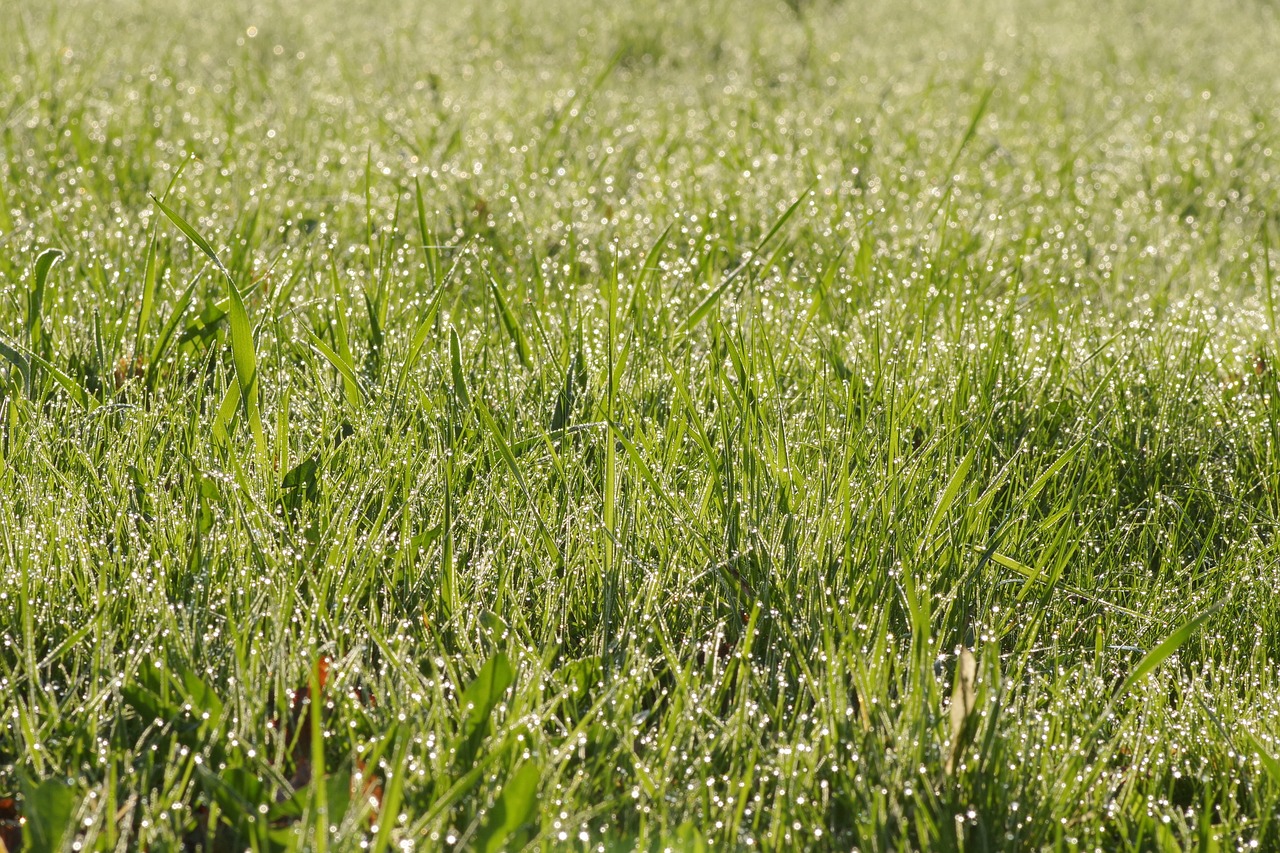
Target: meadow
546,424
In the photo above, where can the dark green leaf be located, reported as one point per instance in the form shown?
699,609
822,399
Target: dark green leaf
477,703
48,809
506,821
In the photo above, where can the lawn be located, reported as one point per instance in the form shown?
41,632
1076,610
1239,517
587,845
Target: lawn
553,424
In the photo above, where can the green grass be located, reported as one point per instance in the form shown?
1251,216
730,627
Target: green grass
741,425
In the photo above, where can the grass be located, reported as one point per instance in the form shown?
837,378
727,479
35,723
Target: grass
637,426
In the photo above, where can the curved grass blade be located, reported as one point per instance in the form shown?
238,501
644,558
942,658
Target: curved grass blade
511,324
1152,659
455,367
77,391
704,307
150,272
166,334
419,340
192,234
25,362
242,347
348,371
19,361
36,295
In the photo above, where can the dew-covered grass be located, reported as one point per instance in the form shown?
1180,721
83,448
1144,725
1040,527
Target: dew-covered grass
717,425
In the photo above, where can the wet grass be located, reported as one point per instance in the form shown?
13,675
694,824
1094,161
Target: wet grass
745,425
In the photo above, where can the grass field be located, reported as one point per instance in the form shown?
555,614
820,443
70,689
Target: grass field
719,425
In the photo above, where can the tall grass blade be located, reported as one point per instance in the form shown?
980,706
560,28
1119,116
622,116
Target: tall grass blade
342,339
37,295
149,269
455,368
947,498
242,347
394,793
429,246
511,324
319,788
166,335
344,367
704,307
504,450
1152,659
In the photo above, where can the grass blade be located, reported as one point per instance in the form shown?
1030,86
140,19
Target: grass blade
1152,659
420,339
315,684
963,698
26,362
49,813
344,367
1269,762
192,234
19,361
242,347
429,246
1050,472
511,324
341,338
477,702
509,458
77,391
1032,575
36,296
947,498
704,307
514,808
226,411
455,367
150,273
166,335
394,789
